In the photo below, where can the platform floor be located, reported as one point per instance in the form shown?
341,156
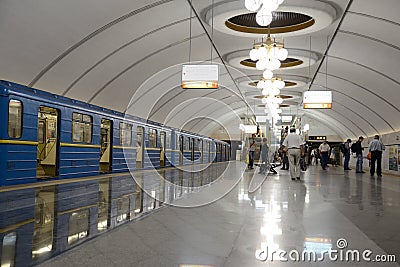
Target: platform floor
311,214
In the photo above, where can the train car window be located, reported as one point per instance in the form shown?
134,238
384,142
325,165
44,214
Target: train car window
43,226
139,147
168,140
152,138
125,134
8,250
82,128
78,226
41,132
197,145
15,119
188,145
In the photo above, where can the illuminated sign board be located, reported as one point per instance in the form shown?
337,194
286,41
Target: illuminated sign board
317,99
248,128
287,118
199,76
317,138
261,118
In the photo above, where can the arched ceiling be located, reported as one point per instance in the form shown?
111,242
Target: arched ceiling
127,55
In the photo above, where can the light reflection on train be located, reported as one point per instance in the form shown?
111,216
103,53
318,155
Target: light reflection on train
47,220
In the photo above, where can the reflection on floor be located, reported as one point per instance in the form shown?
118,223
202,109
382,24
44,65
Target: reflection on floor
325,210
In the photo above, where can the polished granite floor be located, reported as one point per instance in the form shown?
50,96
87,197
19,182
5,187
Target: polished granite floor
313,214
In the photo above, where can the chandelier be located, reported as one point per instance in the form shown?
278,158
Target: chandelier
265,8
272,106
271,87
268,55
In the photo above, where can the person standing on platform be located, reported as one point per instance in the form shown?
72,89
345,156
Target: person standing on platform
324,149
293,144
376,147
333,157
285,159
264,155
358,149
252,150
346,154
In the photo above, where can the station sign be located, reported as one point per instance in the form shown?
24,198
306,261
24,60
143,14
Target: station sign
200,76
317,100
317,138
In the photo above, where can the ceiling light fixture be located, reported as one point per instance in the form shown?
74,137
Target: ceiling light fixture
265,8
271,87
268,55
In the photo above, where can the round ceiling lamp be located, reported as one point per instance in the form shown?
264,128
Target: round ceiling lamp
265,9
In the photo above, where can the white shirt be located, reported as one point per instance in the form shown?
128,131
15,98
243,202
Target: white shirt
293,140
376,145
324,148
252,147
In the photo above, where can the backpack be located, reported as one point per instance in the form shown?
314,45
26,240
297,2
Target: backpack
354,147
342,148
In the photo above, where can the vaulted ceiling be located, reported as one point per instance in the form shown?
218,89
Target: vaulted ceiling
127,56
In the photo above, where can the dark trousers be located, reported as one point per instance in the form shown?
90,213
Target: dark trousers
285,163
324,159
251,159
376,156
346,160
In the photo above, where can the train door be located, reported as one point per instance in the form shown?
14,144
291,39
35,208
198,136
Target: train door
48,140
201,149
193,142
105,145
181,150
209,151
139,147
162,149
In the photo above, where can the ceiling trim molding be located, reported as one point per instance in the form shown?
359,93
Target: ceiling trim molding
118,50
157,84
93,34
371,39
183,91
341,115
366,67
374,17
362,104
362,118
364,88
341,131
140,61
209,114
330,42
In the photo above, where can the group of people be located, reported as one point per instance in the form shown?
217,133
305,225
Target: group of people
263,154
376,148
293,147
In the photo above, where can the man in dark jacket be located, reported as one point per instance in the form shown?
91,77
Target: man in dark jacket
346,154
358,149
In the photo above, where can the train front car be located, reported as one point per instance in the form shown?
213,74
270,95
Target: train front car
18,135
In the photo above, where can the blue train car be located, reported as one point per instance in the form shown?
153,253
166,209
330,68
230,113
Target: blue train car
46,136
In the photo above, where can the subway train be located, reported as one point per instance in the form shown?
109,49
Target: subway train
45,136
67,168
